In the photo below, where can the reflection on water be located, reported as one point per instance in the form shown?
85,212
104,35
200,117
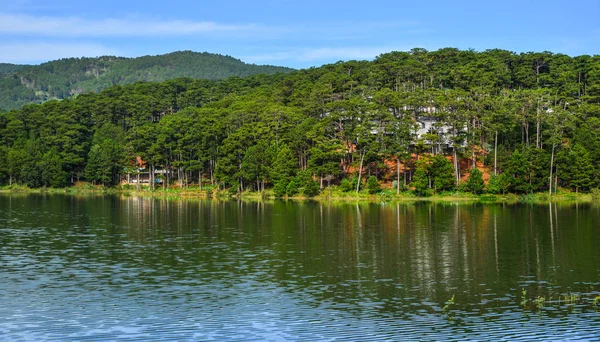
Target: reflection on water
135,268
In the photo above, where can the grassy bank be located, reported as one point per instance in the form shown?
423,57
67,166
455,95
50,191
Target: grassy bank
333,193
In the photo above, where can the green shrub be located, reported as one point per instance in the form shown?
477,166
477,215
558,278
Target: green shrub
279,189
595,194
233,190
346,185
354,183
373,185
293,186
127,187
498,184
475,182
420,180
311,188
403,187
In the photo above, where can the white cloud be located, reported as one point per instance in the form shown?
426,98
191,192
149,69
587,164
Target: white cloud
322,54
16,24
21,24
344,53
37,52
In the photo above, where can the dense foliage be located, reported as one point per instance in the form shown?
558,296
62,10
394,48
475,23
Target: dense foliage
64,78
530,121
7,68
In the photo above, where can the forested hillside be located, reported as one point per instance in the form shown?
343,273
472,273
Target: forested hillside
532,119
6,68
64,78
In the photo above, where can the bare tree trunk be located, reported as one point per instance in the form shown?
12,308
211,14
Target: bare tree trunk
456,166
180,177
551,165
473,152
397,175
538,120
152,177
496,154
362,158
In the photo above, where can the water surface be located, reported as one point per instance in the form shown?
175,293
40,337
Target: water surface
130,268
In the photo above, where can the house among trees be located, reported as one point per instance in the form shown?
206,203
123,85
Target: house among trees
142,174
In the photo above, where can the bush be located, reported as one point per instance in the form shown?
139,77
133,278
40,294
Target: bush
354,183
420,180
373,185
127,187
498,184
279,189
349,185
311,188
595,194
345,185
233,190
293,186
475,182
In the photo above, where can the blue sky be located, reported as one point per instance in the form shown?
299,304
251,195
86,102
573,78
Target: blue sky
297,34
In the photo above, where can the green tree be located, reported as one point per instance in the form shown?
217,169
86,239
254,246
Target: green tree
257,163
373,185
284,166
475,182
577,169
498,184
442,174
420,179
106,156
52,173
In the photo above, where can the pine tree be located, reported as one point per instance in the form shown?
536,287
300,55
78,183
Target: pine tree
442,172
420,179
581,169
475,182
373,185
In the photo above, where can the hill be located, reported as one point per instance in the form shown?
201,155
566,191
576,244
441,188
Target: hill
7,68
60,79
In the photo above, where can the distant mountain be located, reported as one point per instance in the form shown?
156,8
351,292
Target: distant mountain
23,84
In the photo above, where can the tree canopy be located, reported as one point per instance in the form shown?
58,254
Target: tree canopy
531,119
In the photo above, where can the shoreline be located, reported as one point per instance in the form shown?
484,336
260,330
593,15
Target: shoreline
563,196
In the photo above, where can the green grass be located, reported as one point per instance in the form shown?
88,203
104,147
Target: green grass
328,194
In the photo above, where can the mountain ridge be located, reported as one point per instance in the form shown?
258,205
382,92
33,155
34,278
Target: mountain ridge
63,78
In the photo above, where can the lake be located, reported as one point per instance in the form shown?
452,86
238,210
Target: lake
132,268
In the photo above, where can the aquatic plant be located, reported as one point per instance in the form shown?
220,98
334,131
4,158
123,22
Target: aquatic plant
524,300
572,298
448,304
539,302
596,301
